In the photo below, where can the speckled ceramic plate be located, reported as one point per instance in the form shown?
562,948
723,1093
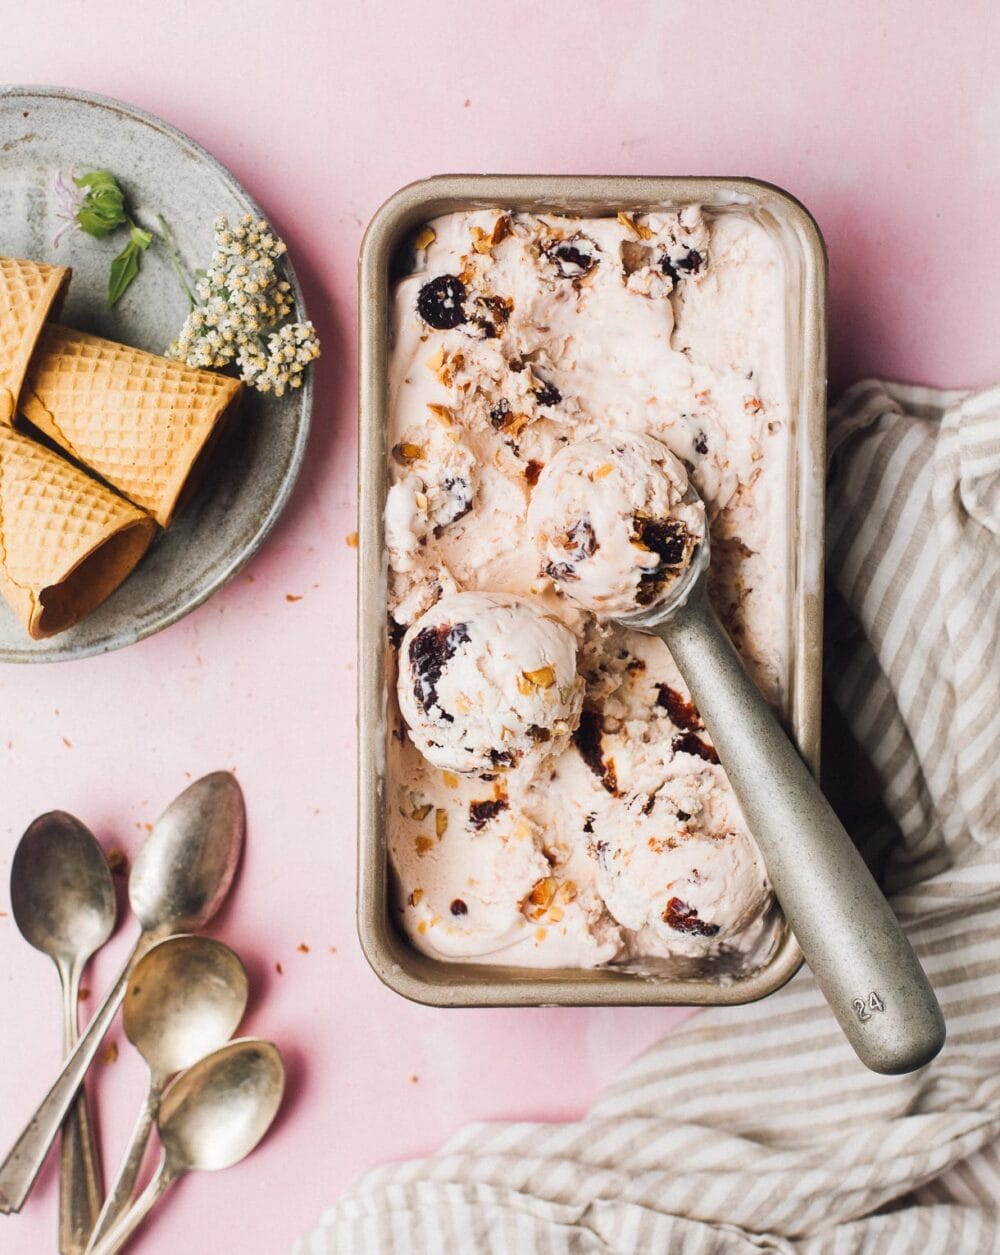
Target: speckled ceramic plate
46,129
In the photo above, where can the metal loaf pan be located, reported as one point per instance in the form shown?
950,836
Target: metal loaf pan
396,962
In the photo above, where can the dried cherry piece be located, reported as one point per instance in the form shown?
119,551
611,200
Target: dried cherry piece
678,268
684,919
430,652
682,713
499,413
587,739
667,538
441,302
489,315
480,813
458,907
459,492
691,743
572,258
580,543
547,393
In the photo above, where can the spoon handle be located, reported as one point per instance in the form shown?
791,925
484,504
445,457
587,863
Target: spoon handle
847,931
25,1158
120,1194
127,1223
80,1184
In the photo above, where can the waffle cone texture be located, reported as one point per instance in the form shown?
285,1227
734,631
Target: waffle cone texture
66,541
138,421
29,292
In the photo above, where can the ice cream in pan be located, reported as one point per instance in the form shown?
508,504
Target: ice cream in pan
540,366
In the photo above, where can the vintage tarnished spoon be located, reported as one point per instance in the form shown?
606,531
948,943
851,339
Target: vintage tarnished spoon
184,1000
210,1118
179,879
63,901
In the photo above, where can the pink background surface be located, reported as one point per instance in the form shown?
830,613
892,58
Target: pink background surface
884,119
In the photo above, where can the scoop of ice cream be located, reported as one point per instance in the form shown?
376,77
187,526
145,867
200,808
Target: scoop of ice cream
687,894
487,678
610,521
467,888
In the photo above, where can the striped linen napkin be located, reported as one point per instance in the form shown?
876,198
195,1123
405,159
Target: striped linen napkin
755,1128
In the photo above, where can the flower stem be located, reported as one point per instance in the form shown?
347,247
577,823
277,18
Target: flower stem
168,240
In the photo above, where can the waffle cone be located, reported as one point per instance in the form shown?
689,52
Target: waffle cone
28,292
138,421
66,541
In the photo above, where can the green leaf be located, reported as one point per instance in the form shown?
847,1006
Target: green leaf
124,269
103,207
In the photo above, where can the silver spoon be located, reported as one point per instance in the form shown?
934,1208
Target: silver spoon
210,1118
63,901
184,999
178,881
847,931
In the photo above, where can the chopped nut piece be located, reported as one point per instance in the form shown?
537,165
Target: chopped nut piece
425,239
440,822
423,844
637,228
450,779
540,934
407,452
415,896
441,413
436,360
602,472
421,812
555,914
567,891
481,242
117,862
540,898
543,678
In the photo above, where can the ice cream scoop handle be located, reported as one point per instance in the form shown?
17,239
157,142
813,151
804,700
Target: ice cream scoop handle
847,931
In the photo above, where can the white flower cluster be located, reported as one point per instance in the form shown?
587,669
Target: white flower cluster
243,300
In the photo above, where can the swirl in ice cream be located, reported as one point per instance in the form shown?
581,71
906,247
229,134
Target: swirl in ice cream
610,519
486,679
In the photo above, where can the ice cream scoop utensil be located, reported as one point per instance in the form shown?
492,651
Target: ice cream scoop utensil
63,901
184,1000
178,881
211,1117
847,931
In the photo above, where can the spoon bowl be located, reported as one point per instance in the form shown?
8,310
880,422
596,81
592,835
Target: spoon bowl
185,998
216,1112
61,892
184,870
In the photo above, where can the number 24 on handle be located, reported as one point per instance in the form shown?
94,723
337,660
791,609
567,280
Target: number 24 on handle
865,1006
